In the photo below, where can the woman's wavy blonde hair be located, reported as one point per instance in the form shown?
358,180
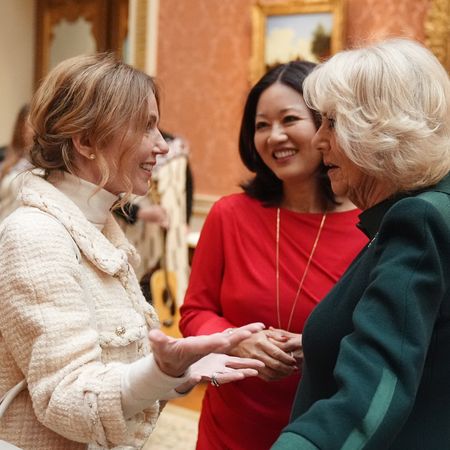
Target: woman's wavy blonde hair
97,97
391,105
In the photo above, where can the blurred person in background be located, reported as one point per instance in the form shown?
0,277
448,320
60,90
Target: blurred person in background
16,161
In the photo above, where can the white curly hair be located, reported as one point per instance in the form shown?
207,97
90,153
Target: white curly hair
391,106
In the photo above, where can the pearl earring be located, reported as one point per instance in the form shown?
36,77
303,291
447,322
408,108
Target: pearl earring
92,156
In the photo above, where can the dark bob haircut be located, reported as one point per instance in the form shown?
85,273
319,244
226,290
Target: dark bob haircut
265,186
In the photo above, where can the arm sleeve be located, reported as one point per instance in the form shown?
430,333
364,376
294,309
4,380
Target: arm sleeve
47,327
201,312
380,364
138,393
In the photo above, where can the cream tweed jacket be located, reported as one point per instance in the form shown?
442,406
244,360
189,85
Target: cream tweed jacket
72,315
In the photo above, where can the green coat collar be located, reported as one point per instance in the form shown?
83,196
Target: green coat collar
370,219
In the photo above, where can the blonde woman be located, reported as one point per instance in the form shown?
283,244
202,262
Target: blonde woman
74,323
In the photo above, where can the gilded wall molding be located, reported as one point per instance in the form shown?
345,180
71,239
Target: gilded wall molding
140,35
437,30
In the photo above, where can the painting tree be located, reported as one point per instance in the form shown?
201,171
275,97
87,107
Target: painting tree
321,43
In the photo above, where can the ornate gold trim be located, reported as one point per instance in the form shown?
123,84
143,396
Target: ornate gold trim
140,35
50,12
263,9
437,30
108,19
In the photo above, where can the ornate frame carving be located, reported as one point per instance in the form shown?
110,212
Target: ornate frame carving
263,9
109,19
437,30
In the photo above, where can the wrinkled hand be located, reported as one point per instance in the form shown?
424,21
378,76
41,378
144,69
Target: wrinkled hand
174,356
226,369
154,214
288,342
278,363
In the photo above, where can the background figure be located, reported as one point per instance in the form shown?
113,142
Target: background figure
170,198
15,162
377,369
269,254
74,324
178,146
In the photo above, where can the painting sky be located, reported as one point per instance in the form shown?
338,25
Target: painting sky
289,36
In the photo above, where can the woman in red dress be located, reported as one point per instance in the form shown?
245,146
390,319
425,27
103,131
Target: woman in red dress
269,254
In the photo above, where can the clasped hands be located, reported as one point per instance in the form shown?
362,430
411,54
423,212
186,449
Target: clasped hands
281,352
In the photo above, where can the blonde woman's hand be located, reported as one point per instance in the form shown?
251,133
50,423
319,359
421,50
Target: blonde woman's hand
174,356
224,368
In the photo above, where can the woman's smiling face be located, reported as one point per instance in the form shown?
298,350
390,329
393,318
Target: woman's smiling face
284,128
136,163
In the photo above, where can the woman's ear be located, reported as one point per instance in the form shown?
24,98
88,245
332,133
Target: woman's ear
83,147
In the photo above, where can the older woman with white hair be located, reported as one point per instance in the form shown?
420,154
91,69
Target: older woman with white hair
377,368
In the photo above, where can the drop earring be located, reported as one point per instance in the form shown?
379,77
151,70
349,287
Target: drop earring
92,156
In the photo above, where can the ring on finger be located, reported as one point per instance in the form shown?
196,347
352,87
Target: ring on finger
214,381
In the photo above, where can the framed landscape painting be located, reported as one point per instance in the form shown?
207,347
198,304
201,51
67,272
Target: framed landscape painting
296,29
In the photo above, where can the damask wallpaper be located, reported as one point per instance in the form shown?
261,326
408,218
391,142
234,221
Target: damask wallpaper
204,50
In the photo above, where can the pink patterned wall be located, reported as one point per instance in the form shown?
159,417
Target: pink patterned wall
204,51
375,19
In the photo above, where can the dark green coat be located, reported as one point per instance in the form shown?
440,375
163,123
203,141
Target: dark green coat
377,349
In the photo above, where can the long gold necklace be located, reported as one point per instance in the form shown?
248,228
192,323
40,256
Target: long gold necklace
300,285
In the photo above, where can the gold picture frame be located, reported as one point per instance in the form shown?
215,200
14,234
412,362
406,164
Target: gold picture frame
291,26
94,26
437,30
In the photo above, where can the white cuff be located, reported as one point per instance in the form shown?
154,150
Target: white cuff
143,383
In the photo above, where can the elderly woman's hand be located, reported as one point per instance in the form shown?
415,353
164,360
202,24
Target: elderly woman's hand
222,368
174,356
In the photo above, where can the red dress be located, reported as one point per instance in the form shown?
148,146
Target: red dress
233,283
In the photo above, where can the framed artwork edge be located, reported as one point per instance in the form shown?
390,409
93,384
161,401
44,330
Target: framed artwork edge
437,30
262,9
